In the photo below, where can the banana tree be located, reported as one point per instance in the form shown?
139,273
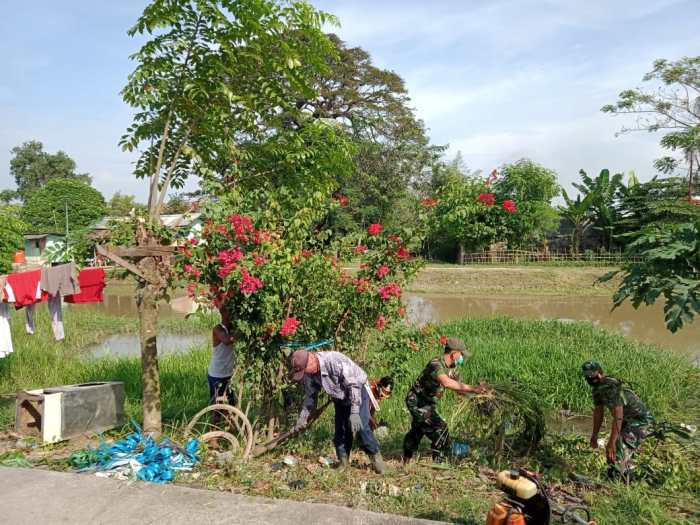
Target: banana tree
603,191
578,212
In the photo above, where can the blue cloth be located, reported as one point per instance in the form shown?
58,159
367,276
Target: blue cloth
218,386
343,438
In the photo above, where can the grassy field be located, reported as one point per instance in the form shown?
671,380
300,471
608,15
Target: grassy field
543,356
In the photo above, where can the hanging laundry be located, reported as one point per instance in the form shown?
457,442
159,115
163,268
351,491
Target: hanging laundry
5,334
92,283
29,323
56,317
60,280
26,287
6,293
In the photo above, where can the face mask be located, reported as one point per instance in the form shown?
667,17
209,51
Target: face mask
460,360
592,380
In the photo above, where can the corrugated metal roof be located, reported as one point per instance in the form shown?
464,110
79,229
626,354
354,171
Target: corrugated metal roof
176,220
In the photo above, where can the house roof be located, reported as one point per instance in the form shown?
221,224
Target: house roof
176,220
34,236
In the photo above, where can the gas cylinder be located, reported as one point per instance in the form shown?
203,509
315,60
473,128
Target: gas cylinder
501,514
19,257
517,485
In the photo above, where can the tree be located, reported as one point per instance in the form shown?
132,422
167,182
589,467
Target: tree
32,168
578,212
121,205
7,196
533,187
212,76
11,237
176,204
603,191
61,203
668,265
672,105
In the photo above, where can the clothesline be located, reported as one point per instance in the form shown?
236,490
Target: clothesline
51,284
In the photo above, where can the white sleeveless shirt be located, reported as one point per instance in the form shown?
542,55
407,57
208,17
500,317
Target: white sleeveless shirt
222,360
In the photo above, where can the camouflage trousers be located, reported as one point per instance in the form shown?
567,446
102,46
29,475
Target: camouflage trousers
631,437
425,421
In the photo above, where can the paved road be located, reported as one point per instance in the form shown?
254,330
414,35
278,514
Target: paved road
38,497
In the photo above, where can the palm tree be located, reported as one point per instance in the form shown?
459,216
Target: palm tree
579,213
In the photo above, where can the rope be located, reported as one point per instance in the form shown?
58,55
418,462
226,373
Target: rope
310,346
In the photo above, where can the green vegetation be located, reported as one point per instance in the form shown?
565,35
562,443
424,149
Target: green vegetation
62,203
11,236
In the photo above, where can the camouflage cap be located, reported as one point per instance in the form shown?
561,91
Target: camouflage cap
455,343
591,368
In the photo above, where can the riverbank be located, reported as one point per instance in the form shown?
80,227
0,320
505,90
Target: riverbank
543,355
486,281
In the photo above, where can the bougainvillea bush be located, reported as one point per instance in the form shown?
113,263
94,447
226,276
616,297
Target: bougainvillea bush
266,255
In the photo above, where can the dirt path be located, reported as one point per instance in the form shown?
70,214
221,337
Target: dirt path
36,497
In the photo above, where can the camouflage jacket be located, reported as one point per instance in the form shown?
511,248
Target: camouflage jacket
611,392
427,385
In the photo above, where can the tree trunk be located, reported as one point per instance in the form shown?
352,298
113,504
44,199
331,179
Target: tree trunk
147,302
462,253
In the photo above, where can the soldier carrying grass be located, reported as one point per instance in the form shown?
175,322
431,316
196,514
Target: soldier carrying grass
423,396
346,383
631,424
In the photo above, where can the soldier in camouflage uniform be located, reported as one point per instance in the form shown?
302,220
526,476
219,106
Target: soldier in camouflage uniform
423,396
631,424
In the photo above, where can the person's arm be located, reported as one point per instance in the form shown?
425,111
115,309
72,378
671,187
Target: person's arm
308,404
617,413
597,423
353,381
220,336
458,387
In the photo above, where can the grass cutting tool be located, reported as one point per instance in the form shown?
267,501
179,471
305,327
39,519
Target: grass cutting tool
528,502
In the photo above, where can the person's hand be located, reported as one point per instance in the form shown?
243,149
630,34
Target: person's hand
302,420
594,441
355,423
480,389
610,451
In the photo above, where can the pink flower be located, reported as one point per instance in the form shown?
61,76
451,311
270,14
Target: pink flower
401,311
232,255
510,206
374,229
289,326
258,260
341,199
443,340
489,199
382,271
402,253
389,291
394,238
360,248
242,226
249,283
306,253
193,241
380,323
191,289
361,285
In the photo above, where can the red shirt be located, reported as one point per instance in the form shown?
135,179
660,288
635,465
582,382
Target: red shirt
92,283
24,287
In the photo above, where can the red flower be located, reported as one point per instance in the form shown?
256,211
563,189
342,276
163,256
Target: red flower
510,206
402,253
374,229
394,238
258,260
389,291
306,253
401,311
341,199
243,226
360,248
489,199
191,289
382,271
344,278
364,266
361,285
429,203
380,323
222,229
443,340
193,241
249,283
289,326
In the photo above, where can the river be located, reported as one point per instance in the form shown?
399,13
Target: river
645,324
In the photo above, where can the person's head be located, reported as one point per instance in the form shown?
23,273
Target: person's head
386,385
456,352
225,315
592,372
302,362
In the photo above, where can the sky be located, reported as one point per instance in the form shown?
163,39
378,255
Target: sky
497,80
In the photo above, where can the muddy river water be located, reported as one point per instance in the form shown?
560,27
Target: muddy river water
645,324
